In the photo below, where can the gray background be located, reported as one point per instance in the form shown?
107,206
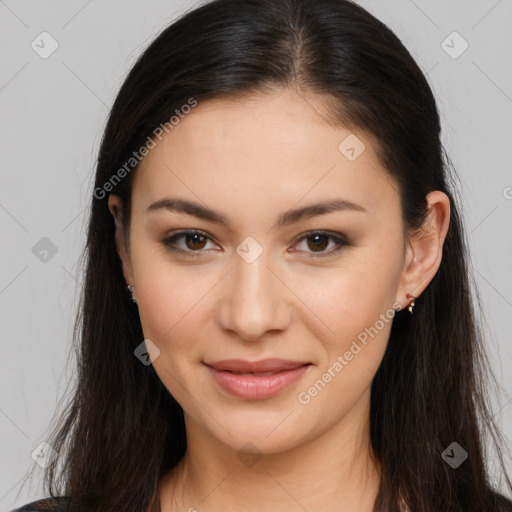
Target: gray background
53,111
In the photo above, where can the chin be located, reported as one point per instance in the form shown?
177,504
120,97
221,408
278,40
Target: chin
264,433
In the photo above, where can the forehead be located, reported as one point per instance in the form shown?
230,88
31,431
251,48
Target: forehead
275,148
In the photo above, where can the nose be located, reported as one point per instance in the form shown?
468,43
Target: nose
254,300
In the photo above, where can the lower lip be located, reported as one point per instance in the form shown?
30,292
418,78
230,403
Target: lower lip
254,387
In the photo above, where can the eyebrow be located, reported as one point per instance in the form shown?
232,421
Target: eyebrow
284,219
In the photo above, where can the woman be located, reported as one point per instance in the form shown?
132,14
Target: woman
276,313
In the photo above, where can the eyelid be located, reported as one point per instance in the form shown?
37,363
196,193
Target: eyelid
168,241
339,239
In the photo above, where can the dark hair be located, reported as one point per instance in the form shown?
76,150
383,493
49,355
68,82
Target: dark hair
122,429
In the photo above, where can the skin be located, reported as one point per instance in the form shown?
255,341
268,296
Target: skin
252,159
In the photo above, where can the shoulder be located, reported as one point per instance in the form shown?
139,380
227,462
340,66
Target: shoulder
57,504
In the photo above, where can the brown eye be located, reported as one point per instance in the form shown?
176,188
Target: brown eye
195,241
318,242
187,243
192,243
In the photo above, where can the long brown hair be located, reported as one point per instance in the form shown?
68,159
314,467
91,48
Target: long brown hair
122,430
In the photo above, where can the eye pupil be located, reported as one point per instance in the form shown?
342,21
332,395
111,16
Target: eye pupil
318,242
195,237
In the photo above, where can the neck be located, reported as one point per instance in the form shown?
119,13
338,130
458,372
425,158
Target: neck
331,472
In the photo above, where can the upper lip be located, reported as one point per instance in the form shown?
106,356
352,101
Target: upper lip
263,365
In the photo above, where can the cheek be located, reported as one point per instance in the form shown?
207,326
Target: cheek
350,357
169,296
353,307
351,296
353,322
171,304
170,307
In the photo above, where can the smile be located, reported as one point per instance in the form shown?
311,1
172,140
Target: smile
267,378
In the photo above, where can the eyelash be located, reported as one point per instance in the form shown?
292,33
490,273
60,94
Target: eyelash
169,243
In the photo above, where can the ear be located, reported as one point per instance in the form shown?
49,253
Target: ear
424,248
115,207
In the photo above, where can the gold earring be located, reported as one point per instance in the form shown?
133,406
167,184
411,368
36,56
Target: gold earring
412,303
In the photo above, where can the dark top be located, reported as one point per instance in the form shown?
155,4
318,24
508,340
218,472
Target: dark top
61,504
51,504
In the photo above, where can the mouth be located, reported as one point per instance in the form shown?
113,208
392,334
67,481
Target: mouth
256,380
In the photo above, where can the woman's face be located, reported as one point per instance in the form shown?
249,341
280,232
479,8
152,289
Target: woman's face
264,283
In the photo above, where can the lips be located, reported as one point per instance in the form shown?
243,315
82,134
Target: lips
253,380
269,366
